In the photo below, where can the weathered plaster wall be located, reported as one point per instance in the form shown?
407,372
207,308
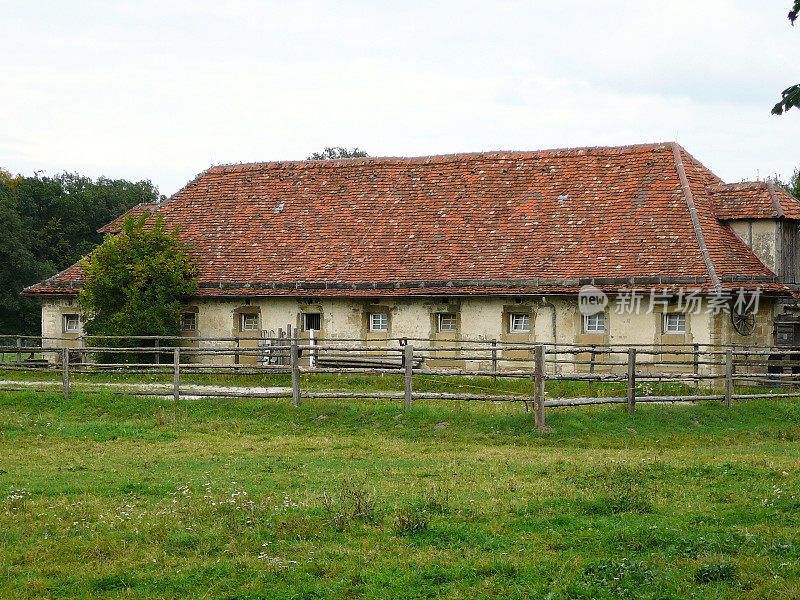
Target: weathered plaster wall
724,333
552,319
479,319
53,311
762,236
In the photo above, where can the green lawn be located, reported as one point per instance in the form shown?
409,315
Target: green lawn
120,497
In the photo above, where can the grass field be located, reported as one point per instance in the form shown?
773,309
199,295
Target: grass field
120,497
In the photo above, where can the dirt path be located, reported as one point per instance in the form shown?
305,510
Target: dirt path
158,389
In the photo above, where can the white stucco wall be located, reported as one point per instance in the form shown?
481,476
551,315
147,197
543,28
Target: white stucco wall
762,236
480,318
53,311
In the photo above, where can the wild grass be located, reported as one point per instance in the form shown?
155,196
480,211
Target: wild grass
118,497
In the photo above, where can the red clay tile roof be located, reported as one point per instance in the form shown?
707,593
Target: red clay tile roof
137,211
753,200
500,222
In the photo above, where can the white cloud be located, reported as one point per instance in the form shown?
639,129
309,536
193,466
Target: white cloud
163,89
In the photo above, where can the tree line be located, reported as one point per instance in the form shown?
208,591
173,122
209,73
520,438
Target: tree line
47,223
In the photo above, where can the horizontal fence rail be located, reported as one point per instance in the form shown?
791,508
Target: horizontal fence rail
634,367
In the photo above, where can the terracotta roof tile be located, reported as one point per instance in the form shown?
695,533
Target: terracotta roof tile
137,211
571,214
753,200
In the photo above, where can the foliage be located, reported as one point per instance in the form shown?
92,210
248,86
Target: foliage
790,96
336,153
20,268
793,187
135,282
49,223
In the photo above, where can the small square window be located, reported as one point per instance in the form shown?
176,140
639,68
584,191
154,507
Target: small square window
189,321
519,323
594,323
71,323
378,322
312,321
446,322
674,323
248,322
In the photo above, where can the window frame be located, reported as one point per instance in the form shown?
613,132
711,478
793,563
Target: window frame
68,317
599,324
243,319
304,321
184,316
383,317
524,317
449,316
680,324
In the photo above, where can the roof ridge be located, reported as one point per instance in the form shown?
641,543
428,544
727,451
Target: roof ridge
429,157
779,212
698,230
735,184
699,162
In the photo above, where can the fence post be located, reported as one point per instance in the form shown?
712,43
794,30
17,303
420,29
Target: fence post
158,354
312,356
65,371
538,386
295,373
494,361
176,374
19,349
697,364
729,378
408,360
631,380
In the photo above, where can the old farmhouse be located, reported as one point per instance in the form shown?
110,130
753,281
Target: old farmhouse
479,246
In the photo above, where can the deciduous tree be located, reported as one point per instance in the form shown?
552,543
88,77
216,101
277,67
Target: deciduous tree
337,152
790,97
48,223
135,282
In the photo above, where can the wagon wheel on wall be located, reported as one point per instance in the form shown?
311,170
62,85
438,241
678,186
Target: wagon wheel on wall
743,322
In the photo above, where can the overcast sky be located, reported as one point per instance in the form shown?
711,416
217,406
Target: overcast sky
163,89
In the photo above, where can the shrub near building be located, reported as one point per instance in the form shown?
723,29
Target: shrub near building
135,282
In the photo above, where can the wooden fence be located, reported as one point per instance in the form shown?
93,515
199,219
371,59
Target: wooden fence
711,367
